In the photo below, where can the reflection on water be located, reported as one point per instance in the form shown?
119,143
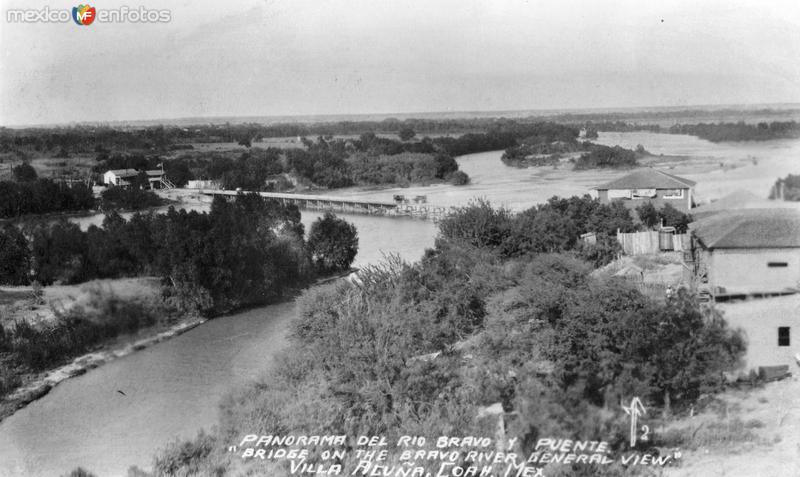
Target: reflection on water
173,388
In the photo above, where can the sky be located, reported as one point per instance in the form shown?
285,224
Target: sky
305,57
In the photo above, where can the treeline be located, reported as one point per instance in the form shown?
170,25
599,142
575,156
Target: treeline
87,139
103,139
424,349
740,131
330,163
621,126
244,252
63,141
42,196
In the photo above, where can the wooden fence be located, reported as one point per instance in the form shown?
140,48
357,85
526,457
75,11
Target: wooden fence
652,242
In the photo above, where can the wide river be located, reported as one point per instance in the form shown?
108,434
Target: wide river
172,389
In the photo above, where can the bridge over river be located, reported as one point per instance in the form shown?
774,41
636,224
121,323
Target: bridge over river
346,205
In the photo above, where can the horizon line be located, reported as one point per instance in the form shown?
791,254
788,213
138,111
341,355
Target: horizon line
460,114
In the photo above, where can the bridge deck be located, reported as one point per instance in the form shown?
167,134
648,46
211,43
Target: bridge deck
344,204
287,196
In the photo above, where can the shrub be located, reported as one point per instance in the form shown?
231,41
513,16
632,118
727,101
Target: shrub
478,224
459,178
188,458
77,330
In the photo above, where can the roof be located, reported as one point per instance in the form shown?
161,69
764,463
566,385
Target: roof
749,228
124,172
648,178
155,173
740,199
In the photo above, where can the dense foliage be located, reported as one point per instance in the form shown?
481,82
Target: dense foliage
544,147
599,156
14,257
243,252
41,196
667,216
421,349
740,131
75,332
548,228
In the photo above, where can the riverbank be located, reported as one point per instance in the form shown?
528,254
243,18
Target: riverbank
38,385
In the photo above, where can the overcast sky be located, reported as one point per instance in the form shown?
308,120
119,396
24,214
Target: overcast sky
284,57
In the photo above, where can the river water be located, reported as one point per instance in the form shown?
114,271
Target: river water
172,389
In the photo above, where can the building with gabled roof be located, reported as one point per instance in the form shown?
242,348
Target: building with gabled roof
119,177
753,253
124,177
649,185
747,252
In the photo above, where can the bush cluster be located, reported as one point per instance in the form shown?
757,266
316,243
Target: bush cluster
74,332
555,226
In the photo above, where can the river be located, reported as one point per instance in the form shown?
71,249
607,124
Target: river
172,389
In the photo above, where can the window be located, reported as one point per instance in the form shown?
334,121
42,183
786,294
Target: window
673,193
619,194
777,264
643,193
783,336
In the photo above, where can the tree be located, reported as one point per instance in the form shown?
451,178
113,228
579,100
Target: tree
478,224
406,133
333,243
25,173
673,217
648,215
685,347
15,257
445,165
